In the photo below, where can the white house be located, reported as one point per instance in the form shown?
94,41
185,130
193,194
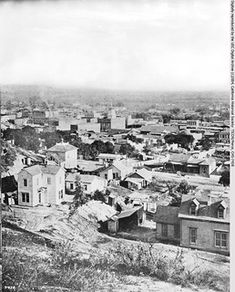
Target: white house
118,170
40,184
90,183
139,179
64,154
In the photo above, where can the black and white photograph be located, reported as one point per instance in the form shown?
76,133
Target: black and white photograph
117,145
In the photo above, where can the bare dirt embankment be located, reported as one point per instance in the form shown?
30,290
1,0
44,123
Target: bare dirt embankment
61,254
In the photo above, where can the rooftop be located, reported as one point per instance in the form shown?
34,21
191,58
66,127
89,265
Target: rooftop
167,214
62,147
47,169
128,212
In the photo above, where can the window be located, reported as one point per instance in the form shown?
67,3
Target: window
71,186
114,175
192,235
164,230
85,187
221,239
62,194
48,180
25,183
39,198
193,209
105,176
176,231
25,197
220,213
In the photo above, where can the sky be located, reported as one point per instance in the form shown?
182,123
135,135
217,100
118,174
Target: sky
116,44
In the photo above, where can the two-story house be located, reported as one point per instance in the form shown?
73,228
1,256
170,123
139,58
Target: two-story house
201,222
64,154
204,223
41,184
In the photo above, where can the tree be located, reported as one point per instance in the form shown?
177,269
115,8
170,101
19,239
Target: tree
9,105
166,118
8,155
99,196
184,140
206,143
183,187
109,147
51,138
175,111
79,198
26,138
126,149
225,178
134,138
33,101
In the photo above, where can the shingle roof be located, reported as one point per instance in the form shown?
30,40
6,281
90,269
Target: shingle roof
50,169
84,178
208,205
128,212
167,214
62,147
89,165
33,170
121,166
179,157
147,175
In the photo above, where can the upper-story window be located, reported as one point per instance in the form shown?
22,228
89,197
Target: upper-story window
48,180
192,209
220,212
25,182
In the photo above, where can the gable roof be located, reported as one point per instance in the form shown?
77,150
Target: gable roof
62,147
208,206
167,214
89,165
37,169
33,170
179,157
143,172
84,178
50,169
128,212
121,166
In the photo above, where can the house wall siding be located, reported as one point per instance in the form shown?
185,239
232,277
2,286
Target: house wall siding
170,232
71,159
25,189
205,234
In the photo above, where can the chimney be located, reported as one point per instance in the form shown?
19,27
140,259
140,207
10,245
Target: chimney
211,199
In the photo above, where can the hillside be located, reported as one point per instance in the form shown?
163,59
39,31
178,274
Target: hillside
71,255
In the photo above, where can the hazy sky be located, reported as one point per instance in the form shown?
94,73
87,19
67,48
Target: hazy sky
116,44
